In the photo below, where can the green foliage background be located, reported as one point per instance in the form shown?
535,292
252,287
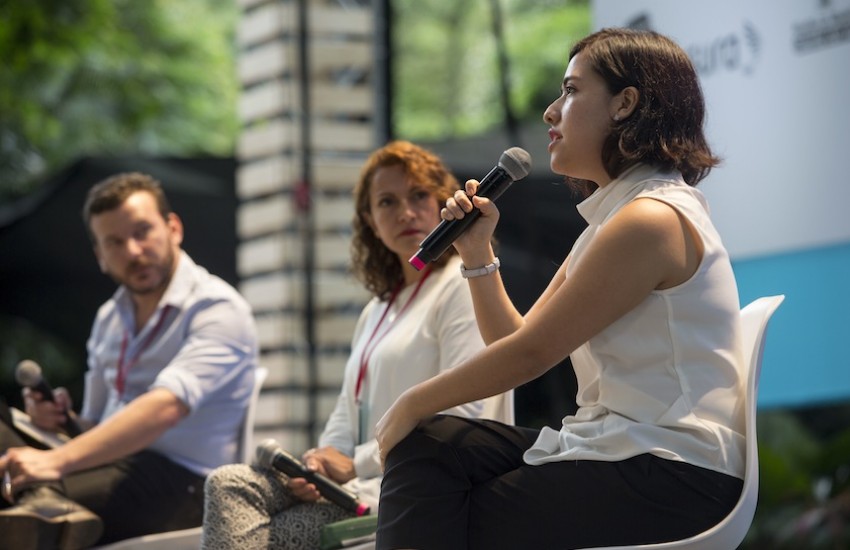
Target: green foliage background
82,77
446,69
85,77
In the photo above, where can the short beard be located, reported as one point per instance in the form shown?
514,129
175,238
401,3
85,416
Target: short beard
164,270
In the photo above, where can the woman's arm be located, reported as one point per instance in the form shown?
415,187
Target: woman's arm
495,312
644,247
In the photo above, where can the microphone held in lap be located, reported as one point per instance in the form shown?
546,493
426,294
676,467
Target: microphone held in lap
270,455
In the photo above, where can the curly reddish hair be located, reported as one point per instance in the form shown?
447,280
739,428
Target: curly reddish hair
375,265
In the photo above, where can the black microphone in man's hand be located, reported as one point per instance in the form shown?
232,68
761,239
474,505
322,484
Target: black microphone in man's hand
514,164
28,374
270,455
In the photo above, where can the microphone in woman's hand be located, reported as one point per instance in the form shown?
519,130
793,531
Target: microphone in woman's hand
514,164
270,455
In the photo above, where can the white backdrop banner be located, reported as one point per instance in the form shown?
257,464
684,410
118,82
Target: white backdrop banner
776,76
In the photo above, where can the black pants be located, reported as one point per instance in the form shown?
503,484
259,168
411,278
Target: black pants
141,494
457,483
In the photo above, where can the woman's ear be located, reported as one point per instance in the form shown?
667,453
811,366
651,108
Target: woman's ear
625,102
367,217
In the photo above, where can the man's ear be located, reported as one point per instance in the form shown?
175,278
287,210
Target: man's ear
625,103
175,226
101,263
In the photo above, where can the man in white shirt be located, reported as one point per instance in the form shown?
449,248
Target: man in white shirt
171,360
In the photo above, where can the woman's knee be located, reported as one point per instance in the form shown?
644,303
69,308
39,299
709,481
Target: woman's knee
427,453
422,441
444,428
227,477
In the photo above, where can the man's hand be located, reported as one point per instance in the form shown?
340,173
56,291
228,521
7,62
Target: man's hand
25,465
44,413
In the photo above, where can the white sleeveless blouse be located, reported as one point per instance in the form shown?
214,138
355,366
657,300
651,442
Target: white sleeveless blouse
667,377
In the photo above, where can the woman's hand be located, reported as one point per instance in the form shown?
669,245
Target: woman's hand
474,243
394,426
303,489
327,461
331,463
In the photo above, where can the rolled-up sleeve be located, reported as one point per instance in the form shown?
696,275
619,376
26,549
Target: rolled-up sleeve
219,345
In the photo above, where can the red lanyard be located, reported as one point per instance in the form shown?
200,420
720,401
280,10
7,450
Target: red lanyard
373,342
121,377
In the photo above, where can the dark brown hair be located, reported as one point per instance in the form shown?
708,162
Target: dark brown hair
375,265
666,127
111,193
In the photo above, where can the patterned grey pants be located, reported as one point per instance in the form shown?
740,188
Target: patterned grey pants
247,508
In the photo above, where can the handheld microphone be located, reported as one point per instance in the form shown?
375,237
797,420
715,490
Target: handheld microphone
270,455
28,374
514,164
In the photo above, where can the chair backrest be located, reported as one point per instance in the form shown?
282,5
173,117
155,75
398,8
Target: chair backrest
733,528
731,531
246,433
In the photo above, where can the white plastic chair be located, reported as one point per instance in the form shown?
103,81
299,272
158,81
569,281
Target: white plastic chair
190,539
730,532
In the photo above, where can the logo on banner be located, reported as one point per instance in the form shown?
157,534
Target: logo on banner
736,51
828,28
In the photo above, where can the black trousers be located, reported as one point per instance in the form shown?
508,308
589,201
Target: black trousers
458,483
141,494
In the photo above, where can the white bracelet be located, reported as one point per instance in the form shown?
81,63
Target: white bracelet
480,271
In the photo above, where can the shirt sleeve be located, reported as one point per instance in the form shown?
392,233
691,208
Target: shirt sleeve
338,432
340,429
367,460
220,342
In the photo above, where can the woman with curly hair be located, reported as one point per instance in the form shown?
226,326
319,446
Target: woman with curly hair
418,324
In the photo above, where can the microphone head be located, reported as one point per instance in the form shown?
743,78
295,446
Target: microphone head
266,451
28,373
516,162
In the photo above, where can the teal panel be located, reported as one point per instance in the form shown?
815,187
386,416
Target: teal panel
806,360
